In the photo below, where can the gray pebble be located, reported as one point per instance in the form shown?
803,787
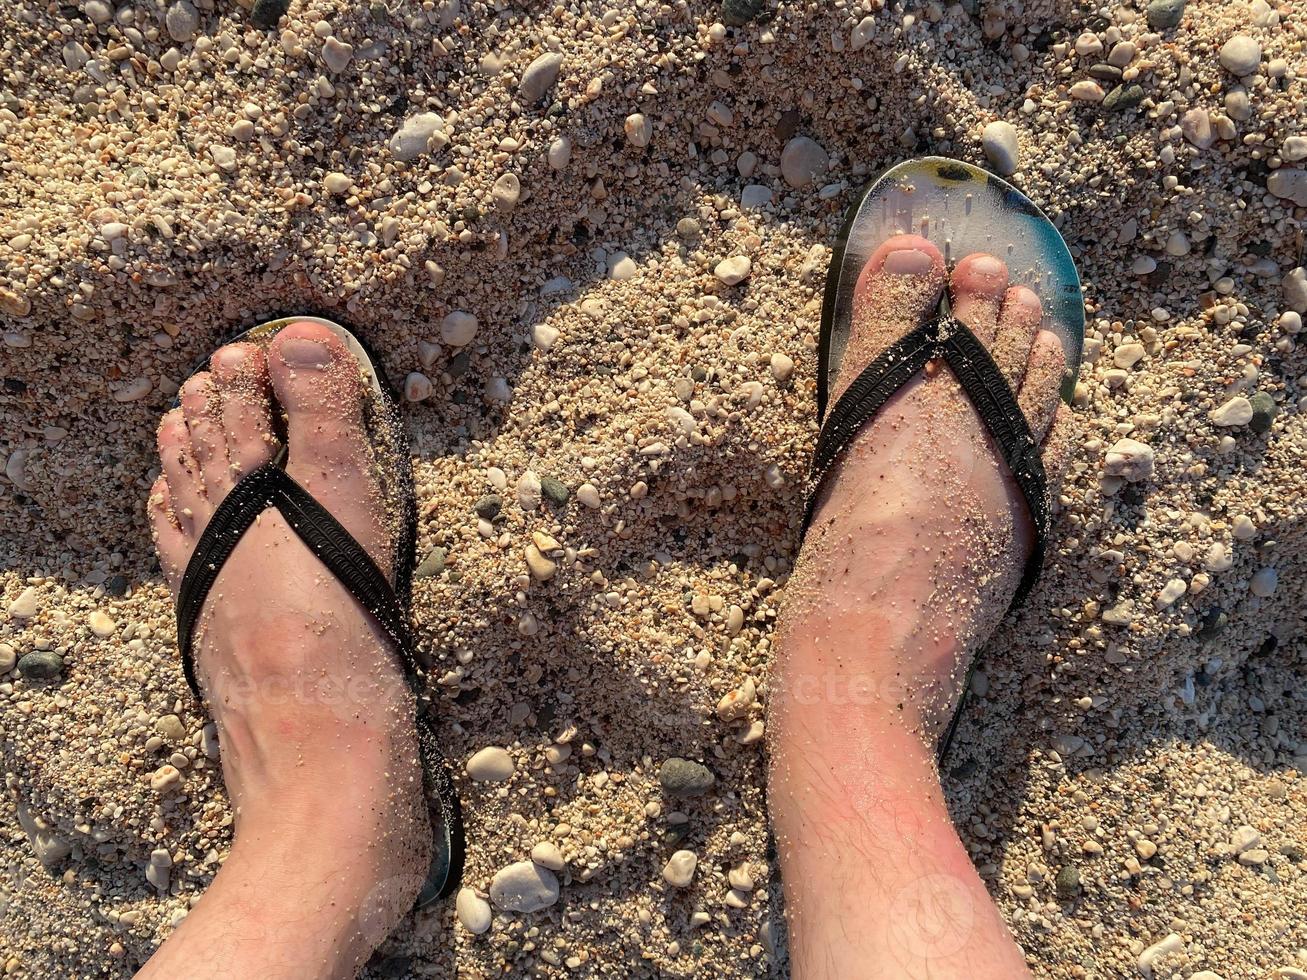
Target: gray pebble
41,664
539,77
266,13
555,491
999,141
737,13
1067,882
116,586
803,161
182,21
1264,412
1165,14
432,564
682,777
1124,97
489,506
1241,55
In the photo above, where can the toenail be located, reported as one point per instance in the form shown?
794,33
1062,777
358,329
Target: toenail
301,353
987,266
908,262
230,358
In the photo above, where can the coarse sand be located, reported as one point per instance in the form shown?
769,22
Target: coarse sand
536,214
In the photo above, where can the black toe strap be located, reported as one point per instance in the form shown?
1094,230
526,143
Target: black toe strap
344,557
988,390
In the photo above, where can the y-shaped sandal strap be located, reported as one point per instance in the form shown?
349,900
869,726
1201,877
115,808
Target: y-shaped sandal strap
345,558
348,561
988,390
995,402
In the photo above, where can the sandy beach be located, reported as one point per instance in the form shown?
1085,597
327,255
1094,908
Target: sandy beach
589,242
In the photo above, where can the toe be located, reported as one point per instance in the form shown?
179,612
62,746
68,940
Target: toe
172,543
977,287
241,372
1057,447
185,483
1018,321
202,407
897,290
1042,383
319,384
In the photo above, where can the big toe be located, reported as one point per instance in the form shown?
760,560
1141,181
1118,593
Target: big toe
897,290
977,287
320,386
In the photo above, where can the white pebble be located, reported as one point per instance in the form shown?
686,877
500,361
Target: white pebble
458,328
560,153
588,494
182,21
524,887
101,624
1171,944
336,53
999,141
1173,590
1237,411
506,192
417,387
539,77
782,366
528,491
1129,459
337,184
490,765
1241,55
419,133
473,911
734,270
25,606
679,870
1086,90
543,336
639,130
547,855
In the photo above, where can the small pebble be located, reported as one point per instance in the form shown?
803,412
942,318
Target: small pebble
734,270
1164,14
417,135
41,665
265,14
1237,411
1264,412
101,624
489,506
1263,584
638,129
165,779
337,184
539,77
803,161
506,192
336,54
433,564
547,855
182,21
458,328
684,777
25,606
524,887
679,870
1241,55
473,911
782,367
1129,459
490,765
554,490
999,142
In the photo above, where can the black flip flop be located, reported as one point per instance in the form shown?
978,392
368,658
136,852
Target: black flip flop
961,209
345,558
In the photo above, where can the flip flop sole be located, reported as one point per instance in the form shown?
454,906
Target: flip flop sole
961,209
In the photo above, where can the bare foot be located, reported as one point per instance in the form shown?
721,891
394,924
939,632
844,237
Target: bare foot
314,716
915,550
